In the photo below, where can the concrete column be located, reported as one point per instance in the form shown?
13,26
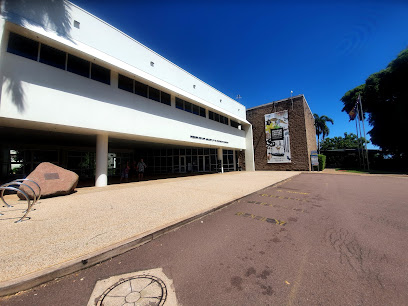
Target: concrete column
220,157
101,175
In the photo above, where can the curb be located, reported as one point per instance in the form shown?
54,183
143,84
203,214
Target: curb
48,274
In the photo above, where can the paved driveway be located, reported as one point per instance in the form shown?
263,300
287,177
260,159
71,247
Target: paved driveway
313,240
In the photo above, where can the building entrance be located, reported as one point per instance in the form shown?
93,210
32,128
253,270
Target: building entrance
18,160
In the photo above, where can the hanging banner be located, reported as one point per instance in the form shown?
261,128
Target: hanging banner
277,138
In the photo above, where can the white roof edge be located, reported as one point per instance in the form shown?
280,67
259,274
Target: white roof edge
129,68
80,8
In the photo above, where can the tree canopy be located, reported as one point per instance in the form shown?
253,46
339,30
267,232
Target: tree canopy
349,141
385,99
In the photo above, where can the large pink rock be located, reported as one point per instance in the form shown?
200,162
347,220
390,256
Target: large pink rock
53,180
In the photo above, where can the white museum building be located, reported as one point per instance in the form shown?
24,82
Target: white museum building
80,93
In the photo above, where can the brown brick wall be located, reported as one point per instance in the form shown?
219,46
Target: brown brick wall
299,131
310,132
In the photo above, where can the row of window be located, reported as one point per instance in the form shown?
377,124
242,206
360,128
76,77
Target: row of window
143,90
190,107
218,117
45,54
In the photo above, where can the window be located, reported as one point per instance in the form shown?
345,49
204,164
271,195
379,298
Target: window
100,74
179,104
78,65
125,83
141,89
216,117
22,46
165,98
234,124
188,106
202,112
52,57
196,109
154,94
211,115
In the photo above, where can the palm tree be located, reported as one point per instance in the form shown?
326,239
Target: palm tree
321,127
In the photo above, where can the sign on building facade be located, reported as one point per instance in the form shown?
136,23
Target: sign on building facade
277,137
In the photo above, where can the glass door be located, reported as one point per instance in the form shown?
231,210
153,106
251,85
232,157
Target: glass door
182,164
200,163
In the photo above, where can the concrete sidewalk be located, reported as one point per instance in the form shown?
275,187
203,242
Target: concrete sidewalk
67,233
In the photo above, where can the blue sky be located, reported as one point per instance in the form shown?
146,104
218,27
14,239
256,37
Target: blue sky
262,50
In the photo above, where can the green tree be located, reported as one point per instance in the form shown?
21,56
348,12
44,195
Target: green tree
384,98
321,127
349,141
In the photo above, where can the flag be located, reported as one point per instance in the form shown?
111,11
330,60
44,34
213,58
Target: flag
353,112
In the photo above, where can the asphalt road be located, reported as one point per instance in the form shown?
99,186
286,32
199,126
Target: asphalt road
316,239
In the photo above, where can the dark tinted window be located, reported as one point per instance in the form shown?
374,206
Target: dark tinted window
202,112
154,94
188,106
22,46
216,117
196,109
78,65
179,103
52,56
125,83
211,115
234,124
100,74
141,89
165,98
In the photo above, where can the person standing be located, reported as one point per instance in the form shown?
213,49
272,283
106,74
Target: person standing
141,166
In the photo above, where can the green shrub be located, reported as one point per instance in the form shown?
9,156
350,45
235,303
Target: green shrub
322,161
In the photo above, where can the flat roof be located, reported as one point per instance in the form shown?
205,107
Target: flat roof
283,100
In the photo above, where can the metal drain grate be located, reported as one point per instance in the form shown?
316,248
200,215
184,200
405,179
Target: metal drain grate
137,290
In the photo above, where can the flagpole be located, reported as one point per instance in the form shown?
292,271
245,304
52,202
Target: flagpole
365,144
359,136
358,146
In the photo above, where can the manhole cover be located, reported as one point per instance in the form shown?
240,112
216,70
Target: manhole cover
135,291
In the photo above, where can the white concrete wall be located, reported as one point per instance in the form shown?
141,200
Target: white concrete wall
118,49
37,92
